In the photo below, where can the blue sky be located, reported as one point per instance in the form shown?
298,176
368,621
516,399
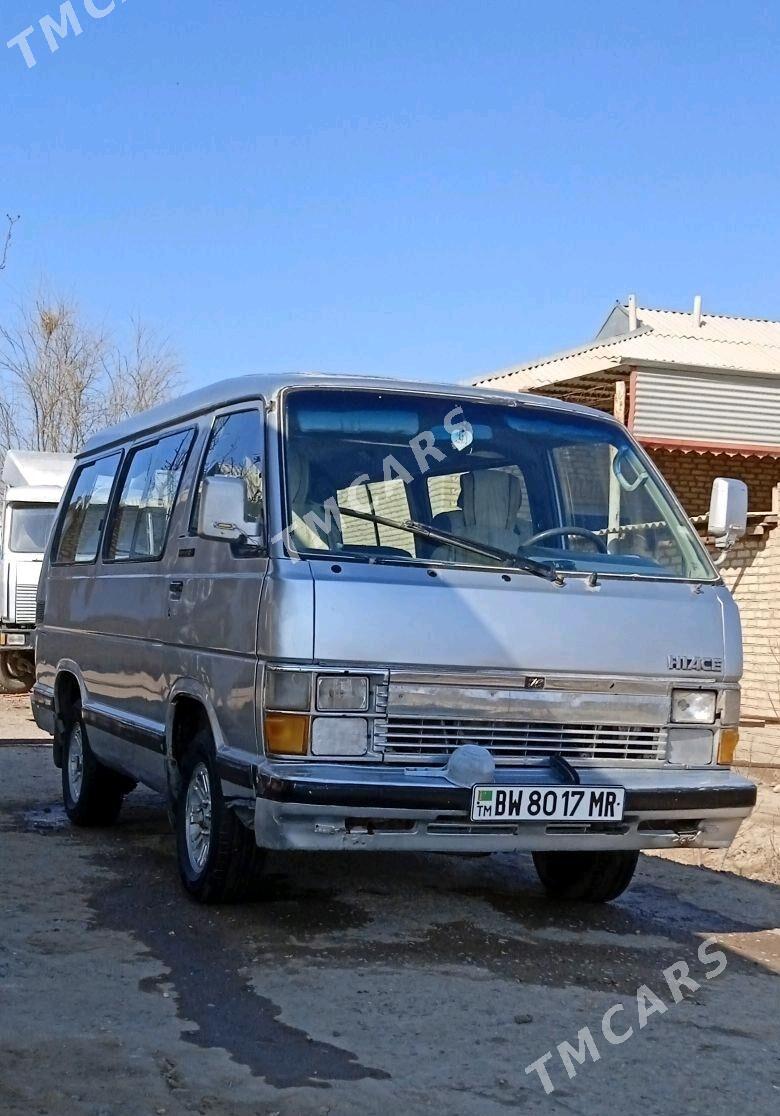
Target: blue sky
432,188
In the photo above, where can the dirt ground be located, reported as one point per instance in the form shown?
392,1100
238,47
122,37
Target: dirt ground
368,983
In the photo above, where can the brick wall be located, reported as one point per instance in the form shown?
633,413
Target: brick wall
691,476
752,572
752,569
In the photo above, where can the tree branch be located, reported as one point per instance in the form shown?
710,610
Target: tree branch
7,242
60,379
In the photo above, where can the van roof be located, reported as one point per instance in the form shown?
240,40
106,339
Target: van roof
241,389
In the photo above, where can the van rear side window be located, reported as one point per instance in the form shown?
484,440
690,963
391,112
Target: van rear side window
139,524
82,523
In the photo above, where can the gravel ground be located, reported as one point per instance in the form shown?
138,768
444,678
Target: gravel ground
756,852
366,983
16,722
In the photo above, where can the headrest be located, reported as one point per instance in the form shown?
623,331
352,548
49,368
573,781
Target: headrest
491,498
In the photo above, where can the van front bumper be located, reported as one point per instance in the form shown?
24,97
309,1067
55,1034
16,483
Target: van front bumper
336,806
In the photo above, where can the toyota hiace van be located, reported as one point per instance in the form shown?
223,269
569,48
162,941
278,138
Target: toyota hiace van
336,613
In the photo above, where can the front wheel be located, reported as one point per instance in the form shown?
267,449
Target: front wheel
219,861
92,793
11,683
589,877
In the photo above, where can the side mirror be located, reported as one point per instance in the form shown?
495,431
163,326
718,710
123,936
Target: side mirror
221,512
728,511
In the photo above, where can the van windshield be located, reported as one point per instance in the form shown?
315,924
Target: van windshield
30,528
567,490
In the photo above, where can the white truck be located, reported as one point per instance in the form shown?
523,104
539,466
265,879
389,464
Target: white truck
32,484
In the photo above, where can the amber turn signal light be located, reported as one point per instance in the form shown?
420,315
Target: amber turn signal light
286,734
729,738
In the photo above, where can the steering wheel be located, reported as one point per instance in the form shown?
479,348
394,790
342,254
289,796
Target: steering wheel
554,532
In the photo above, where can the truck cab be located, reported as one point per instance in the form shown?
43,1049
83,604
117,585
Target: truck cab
34,483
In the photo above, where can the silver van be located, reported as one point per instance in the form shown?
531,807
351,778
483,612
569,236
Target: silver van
339,613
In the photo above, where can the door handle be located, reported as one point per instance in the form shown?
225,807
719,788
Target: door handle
175,590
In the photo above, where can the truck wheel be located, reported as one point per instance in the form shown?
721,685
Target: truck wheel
590,877
92,793
9,683
21,665
219,861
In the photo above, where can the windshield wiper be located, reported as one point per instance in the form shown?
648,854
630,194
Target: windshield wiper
539,569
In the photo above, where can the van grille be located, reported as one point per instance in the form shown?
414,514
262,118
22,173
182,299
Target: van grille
419,739
25,603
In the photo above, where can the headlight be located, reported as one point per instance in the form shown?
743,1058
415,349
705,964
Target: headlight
288,689
11,640
342,693
694,707
339,736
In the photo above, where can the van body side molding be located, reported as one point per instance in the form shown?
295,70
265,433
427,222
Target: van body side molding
236,772
143,735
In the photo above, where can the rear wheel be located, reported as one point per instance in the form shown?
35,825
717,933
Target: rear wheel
590,877
11,683
92,793
219,861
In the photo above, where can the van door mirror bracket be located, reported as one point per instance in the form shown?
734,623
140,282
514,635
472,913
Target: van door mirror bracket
248,546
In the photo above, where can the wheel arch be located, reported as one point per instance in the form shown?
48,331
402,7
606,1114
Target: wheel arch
69,694
189,709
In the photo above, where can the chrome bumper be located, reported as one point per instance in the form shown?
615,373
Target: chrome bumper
338,806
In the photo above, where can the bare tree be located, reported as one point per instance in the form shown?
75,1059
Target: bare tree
61,379
7,242
142,376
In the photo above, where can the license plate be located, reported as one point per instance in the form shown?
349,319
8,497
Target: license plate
547,804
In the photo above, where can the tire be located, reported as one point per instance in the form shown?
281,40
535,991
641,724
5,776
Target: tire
218,857
21,665
92,793
588,877
9,683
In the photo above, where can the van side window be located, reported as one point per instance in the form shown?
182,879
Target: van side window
82,523
235,449
139,525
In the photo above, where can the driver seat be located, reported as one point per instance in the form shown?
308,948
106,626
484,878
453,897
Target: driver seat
487,513
305,527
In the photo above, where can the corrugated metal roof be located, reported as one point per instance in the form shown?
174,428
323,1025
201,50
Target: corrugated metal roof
665,446
663,337
714,327
704,408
